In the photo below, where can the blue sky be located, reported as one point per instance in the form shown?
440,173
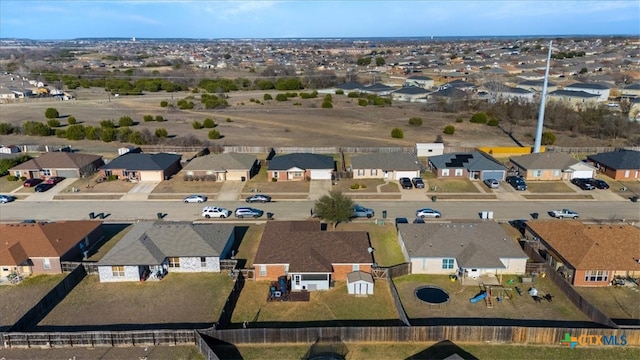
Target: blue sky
68,19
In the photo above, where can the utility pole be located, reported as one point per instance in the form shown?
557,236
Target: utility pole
543,99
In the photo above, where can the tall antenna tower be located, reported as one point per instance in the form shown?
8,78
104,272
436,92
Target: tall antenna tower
543,100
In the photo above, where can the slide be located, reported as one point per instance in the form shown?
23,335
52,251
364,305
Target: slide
478,297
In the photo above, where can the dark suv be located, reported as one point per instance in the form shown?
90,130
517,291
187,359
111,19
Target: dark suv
405,182
418,183
584,184
518,183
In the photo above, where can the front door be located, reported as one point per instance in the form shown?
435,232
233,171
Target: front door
296,282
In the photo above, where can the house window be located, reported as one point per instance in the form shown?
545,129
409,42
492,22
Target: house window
447,263
445,172
360,172
355,267
297,174
596,275
556,173
46,263
174,262
17,173
458,172
374,172
627,173
263,270
117,271
203,261
537,173
46,172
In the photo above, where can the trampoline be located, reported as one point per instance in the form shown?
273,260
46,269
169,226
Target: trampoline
432,295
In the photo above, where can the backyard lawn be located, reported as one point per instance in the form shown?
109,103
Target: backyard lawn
249,245
550,187
384,240
617,302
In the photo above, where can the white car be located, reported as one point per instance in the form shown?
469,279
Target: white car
195,199
564,213
427,213
492,183
215,212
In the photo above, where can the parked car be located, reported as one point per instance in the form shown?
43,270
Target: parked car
32,182
261,198
243,212
600,184
195,199
584,184
6,199
54,179
418,183
427,213
42,187
492,183
405,182
361,211
564,213
215,212
517,182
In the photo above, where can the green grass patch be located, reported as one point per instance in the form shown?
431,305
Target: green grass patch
249,245
384,239
7,186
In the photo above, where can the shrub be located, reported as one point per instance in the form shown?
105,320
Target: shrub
208,123
449,129
196,125
214,134
51,113
363,186
328,98
76,132
397,133
148,118
267,97
72,120
161,133
107,124
339,92
60,133
353,94
108,134
229,120
112,177
12,178
274,179
281,97
548,138
479,118
23,178
459,119
164,103
327,105
363,102
416,121
493,122
125,121
53,123
159,118
355,186
7,128
36,128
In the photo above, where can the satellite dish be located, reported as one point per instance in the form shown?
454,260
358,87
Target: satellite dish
370,249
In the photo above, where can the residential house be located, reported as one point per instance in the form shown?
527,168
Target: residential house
592,88
631,90
418,81
573,98
448,94
551,166
310,257
349,87
222,167
143,167
621,165
410,94
388,166
467,249
39,248
537,85
503,92
65,164
588,254
378,89
9,149
301,166
151,249
474,165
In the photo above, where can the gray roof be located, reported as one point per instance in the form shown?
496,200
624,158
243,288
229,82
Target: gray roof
473,244
359,276
349,86
411,90
587,86
386,161
544,161
378,87
301,161
573,93
450,92
473,161
139,161
222,162
618,160
535,83
149,242
419,78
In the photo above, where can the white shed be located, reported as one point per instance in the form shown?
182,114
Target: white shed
429,149
360,283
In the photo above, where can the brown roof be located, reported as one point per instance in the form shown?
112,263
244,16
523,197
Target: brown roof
306,248
19,242
591,246
58,160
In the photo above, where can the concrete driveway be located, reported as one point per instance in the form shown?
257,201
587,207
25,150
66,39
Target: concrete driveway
48,195
230,190
318,188
140,191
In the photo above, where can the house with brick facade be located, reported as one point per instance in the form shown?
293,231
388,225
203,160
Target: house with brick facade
64,164
39,248
551,166
474,165
152,249
222,167
301,166
621,165
135,166
588,254
311,258
388,166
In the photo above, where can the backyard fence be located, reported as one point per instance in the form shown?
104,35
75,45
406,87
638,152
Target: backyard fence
391,271
205,347
69,266
227,311
98,338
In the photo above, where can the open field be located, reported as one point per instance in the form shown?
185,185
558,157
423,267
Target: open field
617,302
178,300
516,307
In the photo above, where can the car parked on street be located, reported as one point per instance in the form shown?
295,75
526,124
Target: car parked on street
517,182
215,212
54,180
195,199
32,182
7,199
428,213
243,212
260,198
492,183
418,183
42,187
564,213
405,183
361,211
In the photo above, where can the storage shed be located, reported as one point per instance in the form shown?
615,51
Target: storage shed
359,283
429,149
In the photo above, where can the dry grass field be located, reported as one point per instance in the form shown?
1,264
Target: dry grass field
16,300
617,302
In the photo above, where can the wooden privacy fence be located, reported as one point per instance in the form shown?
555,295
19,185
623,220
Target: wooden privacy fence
98,338
476,334
69,266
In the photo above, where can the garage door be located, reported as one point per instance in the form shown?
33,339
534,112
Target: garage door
584,174
323,174
408,174
67,173
498,175
150,176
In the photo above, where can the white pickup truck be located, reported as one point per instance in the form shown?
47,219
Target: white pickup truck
564,213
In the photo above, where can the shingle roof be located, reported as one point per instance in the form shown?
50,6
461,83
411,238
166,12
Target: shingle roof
419,77
349,86
149,243
378,87
450,92
359,276
221,162
53,239
545,160
302,161
474,244
536,83
58,160
139,161
587,86
386,161
618,160
306,248
591,247
473,161
411,90
573,93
